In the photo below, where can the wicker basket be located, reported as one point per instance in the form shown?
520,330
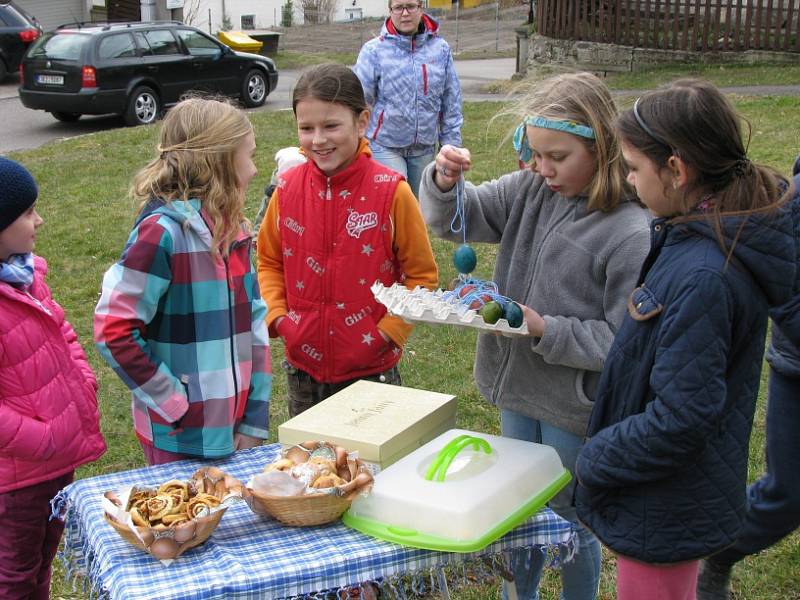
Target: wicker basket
313,509
297,511
167,545
170,543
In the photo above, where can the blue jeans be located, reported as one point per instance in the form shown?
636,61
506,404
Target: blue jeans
774,500
408,161
580,577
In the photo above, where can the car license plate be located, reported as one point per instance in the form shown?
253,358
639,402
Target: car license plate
50,79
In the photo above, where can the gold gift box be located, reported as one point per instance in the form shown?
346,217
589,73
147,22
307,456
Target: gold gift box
382,422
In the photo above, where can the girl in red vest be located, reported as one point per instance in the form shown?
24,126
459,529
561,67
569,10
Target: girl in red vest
334,226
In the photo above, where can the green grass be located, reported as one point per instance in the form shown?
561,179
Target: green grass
83,184
289,59
721,75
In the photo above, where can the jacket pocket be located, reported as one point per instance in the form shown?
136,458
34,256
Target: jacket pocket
643,305
580,389
366,349
184,435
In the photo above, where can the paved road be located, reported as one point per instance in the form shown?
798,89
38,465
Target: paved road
21,128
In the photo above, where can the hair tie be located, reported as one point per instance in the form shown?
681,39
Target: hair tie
740,166
644,126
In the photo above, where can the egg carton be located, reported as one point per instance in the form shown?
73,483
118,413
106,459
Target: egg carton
422,305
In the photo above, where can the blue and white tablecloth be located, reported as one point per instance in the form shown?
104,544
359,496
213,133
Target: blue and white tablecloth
248,556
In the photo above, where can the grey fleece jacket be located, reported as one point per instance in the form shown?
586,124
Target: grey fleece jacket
574,267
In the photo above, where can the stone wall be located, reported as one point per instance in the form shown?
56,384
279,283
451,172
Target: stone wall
599,57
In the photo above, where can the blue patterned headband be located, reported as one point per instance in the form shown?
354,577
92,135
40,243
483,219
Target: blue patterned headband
521,138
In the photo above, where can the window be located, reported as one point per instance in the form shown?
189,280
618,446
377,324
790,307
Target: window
59,46
197,44
119,45
162,42
248,21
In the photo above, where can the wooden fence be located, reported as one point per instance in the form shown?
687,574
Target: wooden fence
696,25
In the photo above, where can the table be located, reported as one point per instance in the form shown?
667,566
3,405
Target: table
248,556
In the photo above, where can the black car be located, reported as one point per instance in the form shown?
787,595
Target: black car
135,70
17,30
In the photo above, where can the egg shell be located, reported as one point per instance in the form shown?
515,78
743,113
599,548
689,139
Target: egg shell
164,548
465,259
466,289
480,301
513,314
185,531
146,535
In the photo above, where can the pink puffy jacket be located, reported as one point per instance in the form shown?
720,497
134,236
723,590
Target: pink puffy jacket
49,422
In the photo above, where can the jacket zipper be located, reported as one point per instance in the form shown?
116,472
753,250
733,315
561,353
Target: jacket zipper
424,79
327,367
38,303
378,126
507,358
231,339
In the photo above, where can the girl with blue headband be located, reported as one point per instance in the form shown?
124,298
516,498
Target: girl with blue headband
571,241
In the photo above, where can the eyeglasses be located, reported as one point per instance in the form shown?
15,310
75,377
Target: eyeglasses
409,8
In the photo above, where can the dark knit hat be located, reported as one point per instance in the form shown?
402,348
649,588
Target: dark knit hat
17,191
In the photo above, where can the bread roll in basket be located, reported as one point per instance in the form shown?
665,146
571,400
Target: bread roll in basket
333,480
177,516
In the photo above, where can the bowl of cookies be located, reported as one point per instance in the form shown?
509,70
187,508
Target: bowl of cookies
175,516
312,483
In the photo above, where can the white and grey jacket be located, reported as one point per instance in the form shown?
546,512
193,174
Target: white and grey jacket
574,266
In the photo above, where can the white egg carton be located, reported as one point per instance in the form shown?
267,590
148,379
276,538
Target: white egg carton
421,305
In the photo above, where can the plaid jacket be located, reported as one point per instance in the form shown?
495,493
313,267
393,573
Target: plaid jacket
186,334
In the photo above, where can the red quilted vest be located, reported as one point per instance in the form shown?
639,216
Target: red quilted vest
336,235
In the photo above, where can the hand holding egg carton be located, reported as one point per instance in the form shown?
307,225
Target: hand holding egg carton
472,303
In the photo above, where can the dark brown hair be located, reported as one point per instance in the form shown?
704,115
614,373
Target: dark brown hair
330,82
692,120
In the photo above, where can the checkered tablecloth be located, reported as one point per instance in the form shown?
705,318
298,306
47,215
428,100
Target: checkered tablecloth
248,556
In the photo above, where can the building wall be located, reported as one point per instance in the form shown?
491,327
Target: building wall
53,13
267,13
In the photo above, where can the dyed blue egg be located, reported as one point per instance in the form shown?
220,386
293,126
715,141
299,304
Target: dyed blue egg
513,314
465,259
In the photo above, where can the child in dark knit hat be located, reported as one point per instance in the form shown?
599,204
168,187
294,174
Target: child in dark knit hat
49,422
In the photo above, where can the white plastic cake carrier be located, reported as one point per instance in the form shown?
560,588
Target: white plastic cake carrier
459,492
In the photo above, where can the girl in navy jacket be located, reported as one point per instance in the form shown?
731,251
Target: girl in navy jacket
662,475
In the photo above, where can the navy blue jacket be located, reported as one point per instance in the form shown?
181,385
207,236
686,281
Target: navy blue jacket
662,474
783,353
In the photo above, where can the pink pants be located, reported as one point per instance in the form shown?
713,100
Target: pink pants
637,580
154,456
29,539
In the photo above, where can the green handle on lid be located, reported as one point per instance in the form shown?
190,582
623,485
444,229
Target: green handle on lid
441,463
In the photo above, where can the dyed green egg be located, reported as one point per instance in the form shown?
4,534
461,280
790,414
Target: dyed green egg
491,312
513,314
465,259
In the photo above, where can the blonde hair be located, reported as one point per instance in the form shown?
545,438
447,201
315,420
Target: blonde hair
584,99
197,148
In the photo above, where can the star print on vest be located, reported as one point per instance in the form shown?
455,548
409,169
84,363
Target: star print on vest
358,223
346,244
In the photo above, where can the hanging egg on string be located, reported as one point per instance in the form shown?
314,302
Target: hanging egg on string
465,259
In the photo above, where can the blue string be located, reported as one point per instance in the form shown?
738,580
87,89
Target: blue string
459,224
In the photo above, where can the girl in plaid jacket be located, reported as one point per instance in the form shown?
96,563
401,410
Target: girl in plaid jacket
180,318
